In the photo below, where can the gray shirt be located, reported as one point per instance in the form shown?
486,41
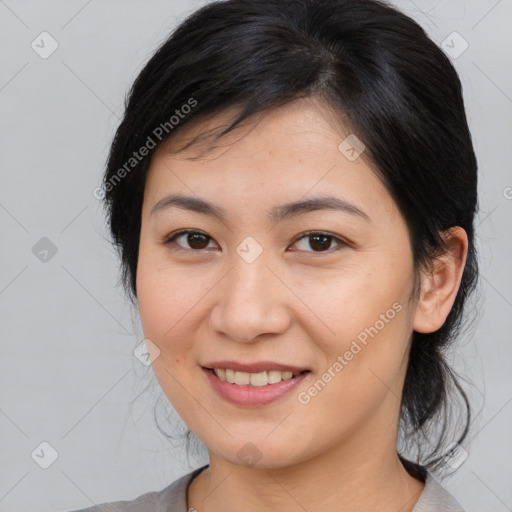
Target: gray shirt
173,498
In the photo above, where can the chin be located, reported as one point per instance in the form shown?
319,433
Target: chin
259,452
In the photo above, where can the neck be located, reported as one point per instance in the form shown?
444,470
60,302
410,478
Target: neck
353,476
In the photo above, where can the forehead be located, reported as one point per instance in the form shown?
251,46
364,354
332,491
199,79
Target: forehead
301,119
278,155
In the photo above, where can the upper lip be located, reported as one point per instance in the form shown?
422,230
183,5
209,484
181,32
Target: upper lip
257,367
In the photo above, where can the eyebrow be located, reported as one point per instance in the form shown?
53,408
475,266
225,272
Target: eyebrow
276,214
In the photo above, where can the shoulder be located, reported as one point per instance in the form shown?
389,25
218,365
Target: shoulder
172,498
436,498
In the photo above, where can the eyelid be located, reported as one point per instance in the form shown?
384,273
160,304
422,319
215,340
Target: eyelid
341,241
169,239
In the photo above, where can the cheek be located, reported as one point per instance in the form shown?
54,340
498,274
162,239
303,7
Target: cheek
345,302
360,378
166,293
362,338
166,301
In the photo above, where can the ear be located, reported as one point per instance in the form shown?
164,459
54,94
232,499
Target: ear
440,283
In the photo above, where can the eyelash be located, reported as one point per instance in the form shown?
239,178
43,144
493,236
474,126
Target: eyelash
307,234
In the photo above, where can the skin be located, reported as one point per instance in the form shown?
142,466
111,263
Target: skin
293,305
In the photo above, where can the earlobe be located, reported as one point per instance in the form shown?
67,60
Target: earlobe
440,283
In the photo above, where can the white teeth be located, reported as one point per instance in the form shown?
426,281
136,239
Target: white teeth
274,376
242,378
254,379
258,379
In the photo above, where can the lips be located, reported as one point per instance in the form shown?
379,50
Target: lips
254,384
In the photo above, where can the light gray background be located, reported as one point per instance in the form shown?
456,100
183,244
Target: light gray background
67,372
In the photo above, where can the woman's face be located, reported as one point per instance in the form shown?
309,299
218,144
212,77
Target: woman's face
260,285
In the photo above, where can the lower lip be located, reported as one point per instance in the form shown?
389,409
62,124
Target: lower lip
253,395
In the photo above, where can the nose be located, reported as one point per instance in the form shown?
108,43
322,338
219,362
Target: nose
251,301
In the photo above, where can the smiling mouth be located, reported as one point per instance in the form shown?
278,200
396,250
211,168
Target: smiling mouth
257,379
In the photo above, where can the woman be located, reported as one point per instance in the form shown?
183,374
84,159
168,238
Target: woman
292,190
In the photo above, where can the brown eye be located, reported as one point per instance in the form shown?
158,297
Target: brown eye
318,241
194,240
